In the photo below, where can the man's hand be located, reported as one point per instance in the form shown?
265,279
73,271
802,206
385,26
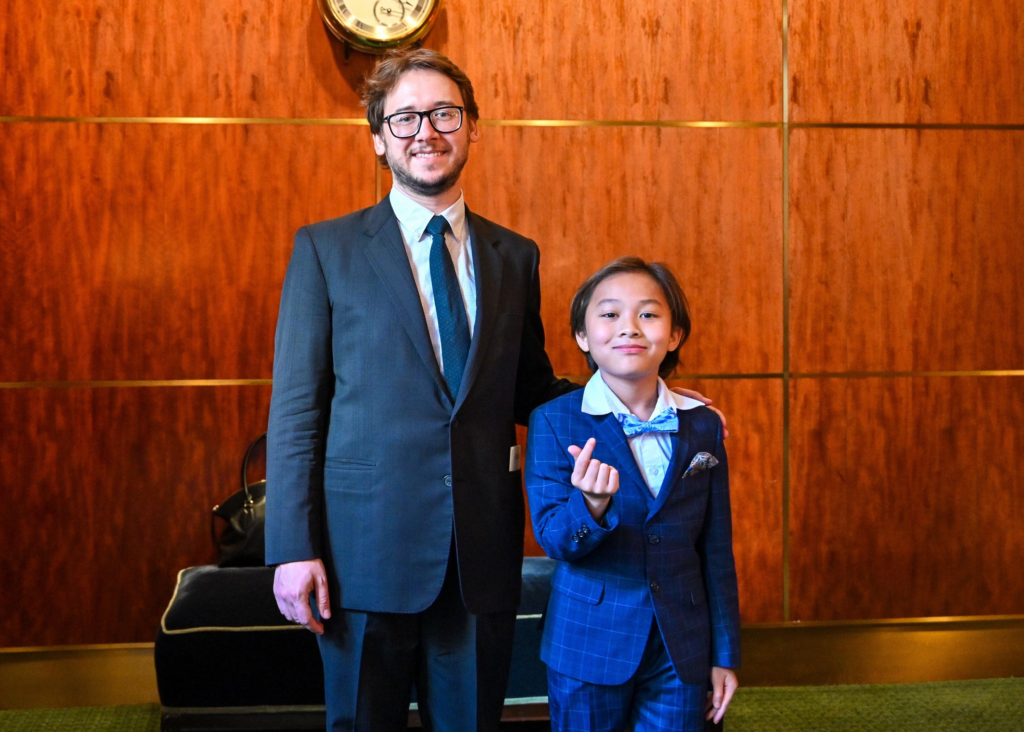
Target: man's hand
723,686
707,403
292,584
598,481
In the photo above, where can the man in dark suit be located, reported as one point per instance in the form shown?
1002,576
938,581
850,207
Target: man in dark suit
409,344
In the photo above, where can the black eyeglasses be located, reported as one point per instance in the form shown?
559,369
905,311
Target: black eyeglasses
442,119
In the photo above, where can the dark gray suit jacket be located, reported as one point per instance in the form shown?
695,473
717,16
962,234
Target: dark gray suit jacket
370,461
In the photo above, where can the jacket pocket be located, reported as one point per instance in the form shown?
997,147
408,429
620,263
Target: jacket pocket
348,464
349,476
579,587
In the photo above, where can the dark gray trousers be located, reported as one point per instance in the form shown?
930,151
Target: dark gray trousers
458,662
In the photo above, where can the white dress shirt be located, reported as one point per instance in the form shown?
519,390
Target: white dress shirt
412,220
651,450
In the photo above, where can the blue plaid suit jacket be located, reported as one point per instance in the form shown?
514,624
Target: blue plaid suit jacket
668,558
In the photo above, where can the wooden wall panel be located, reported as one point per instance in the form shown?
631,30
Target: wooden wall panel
708,203
753,410
570,60
205,58
907,61
906,250
906,497
107,494
239,58
158,251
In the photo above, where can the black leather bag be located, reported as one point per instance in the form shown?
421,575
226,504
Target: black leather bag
241,540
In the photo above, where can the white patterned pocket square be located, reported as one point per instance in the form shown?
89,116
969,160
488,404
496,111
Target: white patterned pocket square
701,461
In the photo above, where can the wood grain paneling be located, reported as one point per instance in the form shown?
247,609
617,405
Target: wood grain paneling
569,60
906,497
907,61
256,59
753,409
158,251
708,203
906,250
107,494
205,58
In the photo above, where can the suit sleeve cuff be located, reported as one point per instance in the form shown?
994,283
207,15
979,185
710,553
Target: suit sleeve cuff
729,658
585,528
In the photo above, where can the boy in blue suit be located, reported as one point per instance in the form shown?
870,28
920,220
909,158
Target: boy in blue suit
644,609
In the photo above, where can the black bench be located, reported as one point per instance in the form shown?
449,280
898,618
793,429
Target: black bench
226,659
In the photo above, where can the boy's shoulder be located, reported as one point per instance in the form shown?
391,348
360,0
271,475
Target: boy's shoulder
702,420
565,404
560,412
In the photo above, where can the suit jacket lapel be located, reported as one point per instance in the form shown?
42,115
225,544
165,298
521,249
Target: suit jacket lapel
387,255
609,433
487,268
676,466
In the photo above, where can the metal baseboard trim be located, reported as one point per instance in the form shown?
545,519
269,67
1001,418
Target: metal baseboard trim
778,654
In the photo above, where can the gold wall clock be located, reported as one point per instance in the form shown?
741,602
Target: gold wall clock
378,25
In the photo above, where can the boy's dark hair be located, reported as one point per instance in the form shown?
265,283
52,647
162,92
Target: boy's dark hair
660,273
394,65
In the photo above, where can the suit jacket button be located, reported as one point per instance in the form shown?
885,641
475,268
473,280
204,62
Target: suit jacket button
448,481
576,538
655,587
654,538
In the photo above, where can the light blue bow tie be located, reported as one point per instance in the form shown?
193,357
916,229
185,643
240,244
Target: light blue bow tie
667,421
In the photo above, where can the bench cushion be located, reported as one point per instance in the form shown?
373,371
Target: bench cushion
223,643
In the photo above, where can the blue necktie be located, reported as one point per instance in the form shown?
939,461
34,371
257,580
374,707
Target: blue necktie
667,421
452,323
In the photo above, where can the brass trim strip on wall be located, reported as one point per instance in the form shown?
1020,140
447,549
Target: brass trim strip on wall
127,383
931,620
340,122
7,654
903,374
579,378
691,124
786,375
905,126
685,376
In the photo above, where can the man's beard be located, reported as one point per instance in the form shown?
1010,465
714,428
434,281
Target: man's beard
435,188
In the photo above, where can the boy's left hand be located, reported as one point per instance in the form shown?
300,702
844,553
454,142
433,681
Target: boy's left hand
707,403
723,685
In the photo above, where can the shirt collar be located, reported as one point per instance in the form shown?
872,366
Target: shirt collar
599,399
415,217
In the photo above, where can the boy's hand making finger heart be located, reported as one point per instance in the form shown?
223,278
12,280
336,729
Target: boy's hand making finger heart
598,481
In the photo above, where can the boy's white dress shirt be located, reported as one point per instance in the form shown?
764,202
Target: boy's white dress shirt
652,450
412,220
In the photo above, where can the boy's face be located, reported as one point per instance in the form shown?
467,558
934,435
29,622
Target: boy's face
629,327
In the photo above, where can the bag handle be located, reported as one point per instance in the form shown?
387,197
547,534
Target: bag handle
245,489
245,466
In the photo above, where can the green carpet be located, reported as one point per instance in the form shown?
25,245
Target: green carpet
995,705
991,705
143,718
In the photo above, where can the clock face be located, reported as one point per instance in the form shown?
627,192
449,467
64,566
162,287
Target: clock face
377,25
